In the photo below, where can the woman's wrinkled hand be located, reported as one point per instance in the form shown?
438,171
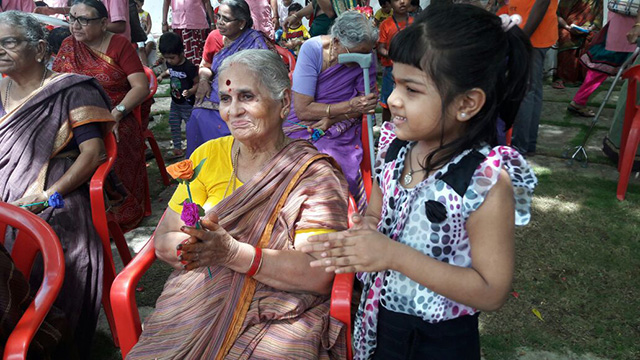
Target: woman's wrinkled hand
30,200
118,115
363,104
212,245
323,124
204,90
361,248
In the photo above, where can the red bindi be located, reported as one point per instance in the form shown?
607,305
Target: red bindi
229,90
228,82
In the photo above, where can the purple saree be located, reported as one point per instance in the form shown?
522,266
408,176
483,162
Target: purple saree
32,137
342,140
205,122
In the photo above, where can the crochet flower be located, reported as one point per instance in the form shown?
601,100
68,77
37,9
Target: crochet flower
55,201
190,214
182,170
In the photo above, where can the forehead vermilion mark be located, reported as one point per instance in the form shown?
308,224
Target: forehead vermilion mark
228,82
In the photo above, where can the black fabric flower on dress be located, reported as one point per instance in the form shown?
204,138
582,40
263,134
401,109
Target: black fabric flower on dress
436,211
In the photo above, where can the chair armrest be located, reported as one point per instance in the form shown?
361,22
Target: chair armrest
341,295
123,298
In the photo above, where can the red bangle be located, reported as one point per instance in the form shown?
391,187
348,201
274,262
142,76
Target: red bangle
256,262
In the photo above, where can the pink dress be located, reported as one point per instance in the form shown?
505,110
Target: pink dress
188,14
261,15
619,26
119,11
20,5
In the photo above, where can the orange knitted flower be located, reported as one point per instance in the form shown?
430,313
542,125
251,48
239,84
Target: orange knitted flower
182,170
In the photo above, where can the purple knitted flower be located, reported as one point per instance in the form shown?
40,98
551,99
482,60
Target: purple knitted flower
190,214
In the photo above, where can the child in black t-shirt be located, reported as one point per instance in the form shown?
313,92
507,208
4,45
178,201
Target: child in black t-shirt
184,83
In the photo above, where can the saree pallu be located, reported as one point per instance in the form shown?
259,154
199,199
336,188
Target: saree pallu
232,316
205,122
343,140
31,138
571,47
130,166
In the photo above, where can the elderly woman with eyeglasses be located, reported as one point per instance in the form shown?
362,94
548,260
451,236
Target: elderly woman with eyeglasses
242,289
51,130
329,96
234,23
93,51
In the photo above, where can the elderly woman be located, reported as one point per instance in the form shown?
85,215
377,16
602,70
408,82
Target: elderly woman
51,129
234,24
110,58
246,291
329,96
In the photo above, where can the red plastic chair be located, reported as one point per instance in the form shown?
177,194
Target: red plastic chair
630,132
127,317
107,228
148,136
34,235
288,59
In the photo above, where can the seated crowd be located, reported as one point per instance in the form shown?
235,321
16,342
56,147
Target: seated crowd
279,152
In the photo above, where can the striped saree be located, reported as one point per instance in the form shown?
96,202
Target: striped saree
231,316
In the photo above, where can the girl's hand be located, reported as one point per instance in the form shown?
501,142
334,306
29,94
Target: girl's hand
363,104
204,90
211,245
30,200
352,250
633,34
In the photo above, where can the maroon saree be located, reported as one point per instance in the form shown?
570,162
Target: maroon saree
130,166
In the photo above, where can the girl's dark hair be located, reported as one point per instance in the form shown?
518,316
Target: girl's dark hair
170,43
97,5
240,10
461,47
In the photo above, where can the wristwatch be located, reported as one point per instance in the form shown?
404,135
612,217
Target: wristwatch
121,108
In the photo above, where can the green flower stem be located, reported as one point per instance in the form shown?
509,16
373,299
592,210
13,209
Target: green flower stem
34,204
197,223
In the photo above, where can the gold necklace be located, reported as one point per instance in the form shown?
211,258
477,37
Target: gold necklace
7,92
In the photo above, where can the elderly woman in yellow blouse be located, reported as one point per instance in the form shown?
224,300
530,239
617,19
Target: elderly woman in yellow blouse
246,290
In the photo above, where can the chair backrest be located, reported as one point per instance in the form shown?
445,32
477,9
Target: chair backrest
34,236
288,59
153,82
96,190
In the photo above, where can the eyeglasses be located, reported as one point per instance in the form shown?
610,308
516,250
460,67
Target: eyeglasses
81,19
224,19
10,43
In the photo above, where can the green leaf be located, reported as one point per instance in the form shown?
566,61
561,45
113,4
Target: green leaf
196,171
184,201
201,211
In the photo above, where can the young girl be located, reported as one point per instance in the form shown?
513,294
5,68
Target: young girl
436,245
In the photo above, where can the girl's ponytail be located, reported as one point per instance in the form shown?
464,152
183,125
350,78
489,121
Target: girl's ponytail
516,75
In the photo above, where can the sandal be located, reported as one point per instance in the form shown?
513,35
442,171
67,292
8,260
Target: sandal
584,112
558,84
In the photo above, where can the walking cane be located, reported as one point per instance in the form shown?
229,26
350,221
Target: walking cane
364,60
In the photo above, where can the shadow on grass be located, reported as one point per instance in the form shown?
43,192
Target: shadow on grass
577,263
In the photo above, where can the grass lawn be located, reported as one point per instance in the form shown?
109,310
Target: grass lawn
577,264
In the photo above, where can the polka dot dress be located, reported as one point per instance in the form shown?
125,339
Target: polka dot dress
431,218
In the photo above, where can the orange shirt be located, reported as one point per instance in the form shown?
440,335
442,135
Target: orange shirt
388,29
547,32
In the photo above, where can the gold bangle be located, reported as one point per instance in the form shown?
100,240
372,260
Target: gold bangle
328,112
636,24
295,15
